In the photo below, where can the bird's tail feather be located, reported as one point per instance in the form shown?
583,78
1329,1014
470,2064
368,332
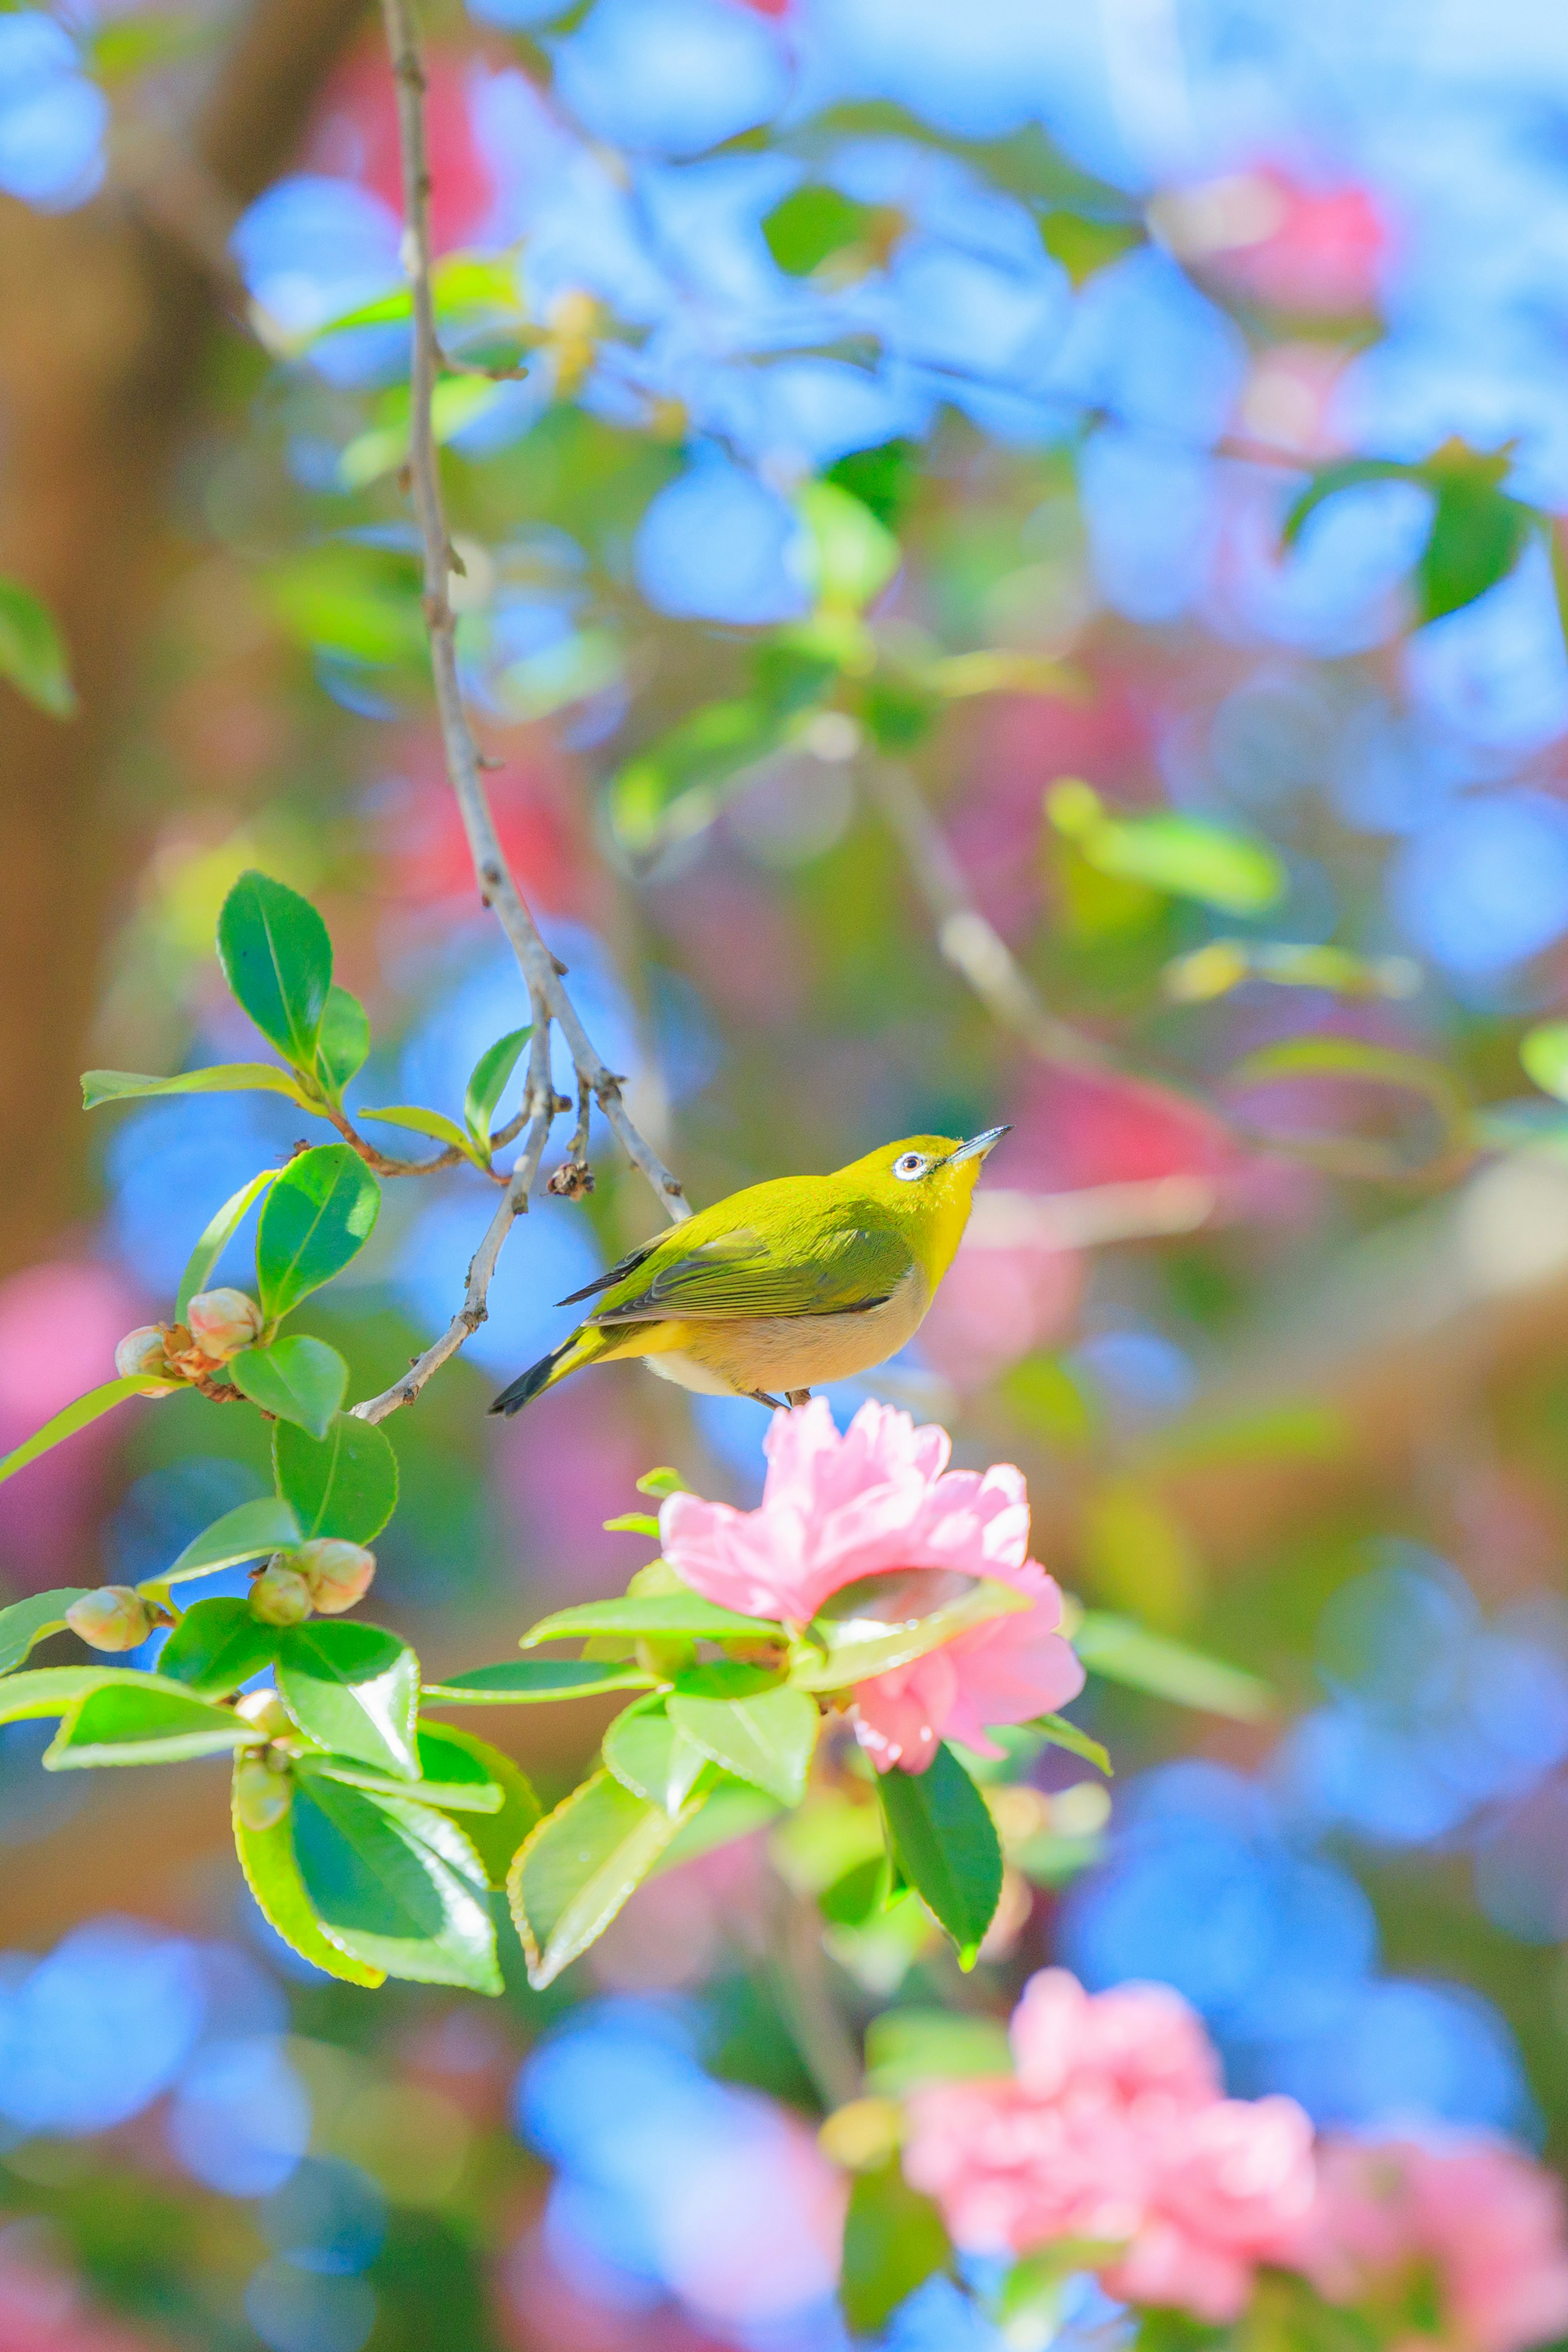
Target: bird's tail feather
580,1349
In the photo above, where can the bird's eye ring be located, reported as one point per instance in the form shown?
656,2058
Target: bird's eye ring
909,1167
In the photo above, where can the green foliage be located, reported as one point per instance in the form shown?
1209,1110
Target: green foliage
216,1645
272,1873
433,1123
812,223
342,1484
946,1843
32,652
893,2241
140,1722
767,1737
486,1084
27,1623
1478,532
248,1532
525,1682
216,1238
453,1757
316,1218
296,1379
341,1043
1060,1733
355,1689
578,1867
881,1622
1125,1652
650,1754
852,556
74,1416
219,1078
396,1885
1187,858
655,1613
907,2047
277,960
1543,1051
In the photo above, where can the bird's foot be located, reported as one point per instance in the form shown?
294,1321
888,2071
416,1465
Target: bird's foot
774,1403
796,1396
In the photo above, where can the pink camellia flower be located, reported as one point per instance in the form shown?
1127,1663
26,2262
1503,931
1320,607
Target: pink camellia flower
878,1500
1115,2130
1473,2215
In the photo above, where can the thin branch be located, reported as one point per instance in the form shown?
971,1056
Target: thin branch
971,944
380,1162
542,974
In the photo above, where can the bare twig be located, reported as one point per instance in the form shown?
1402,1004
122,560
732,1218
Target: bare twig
542,974
971,944
380,1162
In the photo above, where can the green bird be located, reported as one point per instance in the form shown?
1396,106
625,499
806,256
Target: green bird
784,1285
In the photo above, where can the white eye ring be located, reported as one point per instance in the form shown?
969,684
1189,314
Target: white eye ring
911,1165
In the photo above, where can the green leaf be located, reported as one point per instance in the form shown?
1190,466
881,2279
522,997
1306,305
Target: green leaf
476,1795
1060,1733
1185,856
671,789
893,2241
451,1756
433,1123
851,556
217,1237
32,655
716,1816
216,1645
812,222
342,1484
318,1217
662,1481
397,1885
1127,1652
55,1690
220,1078
296,1379
273,1874
123,1725
907,2047
883,1622
634,1523
354,1688
946,1845
680,1612
75,1416
277,960
341,1043
531,1682
248,1532
1345,474
650,1755
767,1738
1475,541
1544,1054
578,1867
27,1623
488,1085
1028,2305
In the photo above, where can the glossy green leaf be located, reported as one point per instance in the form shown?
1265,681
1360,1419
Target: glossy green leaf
273,1874
880,1622
1477,536
1544,1054
907,2047
277,960
433,1123
26,1622
488,1084
353,1689
1125,1652
216,1645
296,1379
946,1843
649,1754
342,1484
679,1612
249,1532
396,1885
121,1724
893,2241
77,1415
318,1217
578,1867
447,1755
474,1794
343,1042
767,1738
32,651
220,1078
533,1682
1060,1733
217,1237
55,1690
850,556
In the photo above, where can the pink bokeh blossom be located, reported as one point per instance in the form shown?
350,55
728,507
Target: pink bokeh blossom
1477,2217
1115,2130
880,1499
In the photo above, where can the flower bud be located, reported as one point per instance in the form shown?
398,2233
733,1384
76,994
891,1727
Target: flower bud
222,1322
265,1712
279,1596
141,1351
261,1796
337,1572
113,1618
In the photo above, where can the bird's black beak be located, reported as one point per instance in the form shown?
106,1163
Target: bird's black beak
977,1146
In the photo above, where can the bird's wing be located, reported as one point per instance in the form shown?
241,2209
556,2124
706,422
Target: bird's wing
741,1273
614,1274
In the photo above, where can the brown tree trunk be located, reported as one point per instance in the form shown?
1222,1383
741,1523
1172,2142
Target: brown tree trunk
103,318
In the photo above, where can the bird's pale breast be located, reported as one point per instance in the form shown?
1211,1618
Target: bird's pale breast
735,1356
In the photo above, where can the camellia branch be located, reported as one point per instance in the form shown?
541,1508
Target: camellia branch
542,975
